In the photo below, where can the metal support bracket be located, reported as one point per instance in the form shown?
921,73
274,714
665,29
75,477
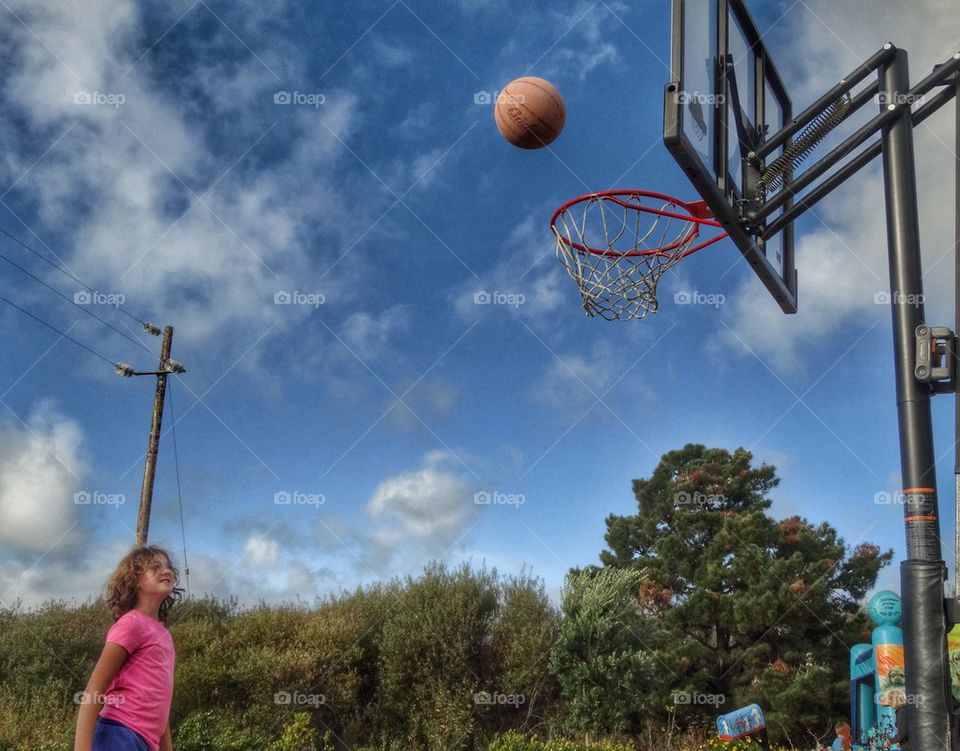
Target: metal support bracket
935,358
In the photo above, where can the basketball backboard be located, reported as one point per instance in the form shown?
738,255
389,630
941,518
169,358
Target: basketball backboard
721,69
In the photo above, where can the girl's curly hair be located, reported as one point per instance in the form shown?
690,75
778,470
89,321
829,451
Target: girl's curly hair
122,586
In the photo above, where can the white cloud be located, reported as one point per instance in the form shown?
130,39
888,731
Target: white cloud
528,268
261,551
572,383
370,335
393,55
164,206
421,513
40,470
843,264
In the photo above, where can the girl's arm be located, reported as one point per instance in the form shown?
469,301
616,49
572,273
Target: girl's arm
107,667
165,743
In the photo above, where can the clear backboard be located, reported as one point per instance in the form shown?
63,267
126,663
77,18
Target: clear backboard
724,99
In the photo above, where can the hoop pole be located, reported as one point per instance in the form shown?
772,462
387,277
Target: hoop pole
921,574
956,333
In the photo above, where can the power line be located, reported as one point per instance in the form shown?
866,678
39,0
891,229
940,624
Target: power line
62,270
176,463
58,331
75,303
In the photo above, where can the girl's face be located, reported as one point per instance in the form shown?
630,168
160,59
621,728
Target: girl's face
157,578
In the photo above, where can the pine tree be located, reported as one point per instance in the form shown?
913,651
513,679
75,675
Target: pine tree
750,609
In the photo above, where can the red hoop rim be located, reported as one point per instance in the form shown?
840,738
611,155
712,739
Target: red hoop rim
698,213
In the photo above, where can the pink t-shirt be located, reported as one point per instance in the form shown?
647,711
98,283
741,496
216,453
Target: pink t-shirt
140,694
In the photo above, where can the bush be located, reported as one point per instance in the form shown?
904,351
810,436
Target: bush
297,736
209,731
514,741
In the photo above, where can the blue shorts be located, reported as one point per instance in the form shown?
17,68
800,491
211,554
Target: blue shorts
110,735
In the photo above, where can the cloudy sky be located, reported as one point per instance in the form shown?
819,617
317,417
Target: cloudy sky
315,196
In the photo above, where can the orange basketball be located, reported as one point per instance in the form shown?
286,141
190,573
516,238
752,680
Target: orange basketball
530,112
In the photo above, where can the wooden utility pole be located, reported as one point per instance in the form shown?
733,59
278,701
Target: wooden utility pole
150,465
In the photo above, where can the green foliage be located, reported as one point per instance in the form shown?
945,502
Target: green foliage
751,609
433,657
514,741
521,639
210,731
297,736
601,655
393,667
701,592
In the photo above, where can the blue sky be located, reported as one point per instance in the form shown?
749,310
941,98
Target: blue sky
149,149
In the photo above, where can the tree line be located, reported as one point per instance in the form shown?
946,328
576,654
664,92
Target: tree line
702,602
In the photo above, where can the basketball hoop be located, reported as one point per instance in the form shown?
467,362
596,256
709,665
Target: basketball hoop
616,245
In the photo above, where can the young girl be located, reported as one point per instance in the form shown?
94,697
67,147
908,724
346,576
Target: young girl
133,679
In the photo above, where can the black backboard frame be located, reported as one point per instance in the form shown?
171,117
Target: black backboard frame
713,181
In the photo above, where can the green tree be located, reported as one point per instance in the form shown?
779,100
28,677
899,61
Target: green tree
521,638
432,653
602,654
751,609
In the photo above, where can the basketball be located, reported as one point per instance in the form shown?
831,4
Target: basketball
530,112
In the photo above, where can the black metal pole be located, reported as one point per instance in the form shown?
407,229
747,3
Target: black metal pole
956,331
921,574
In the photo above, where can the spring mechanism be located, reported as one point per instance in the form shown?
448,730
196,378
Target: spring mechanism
774,174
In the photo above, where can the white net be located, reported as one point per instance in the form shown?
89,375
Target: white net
617,245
